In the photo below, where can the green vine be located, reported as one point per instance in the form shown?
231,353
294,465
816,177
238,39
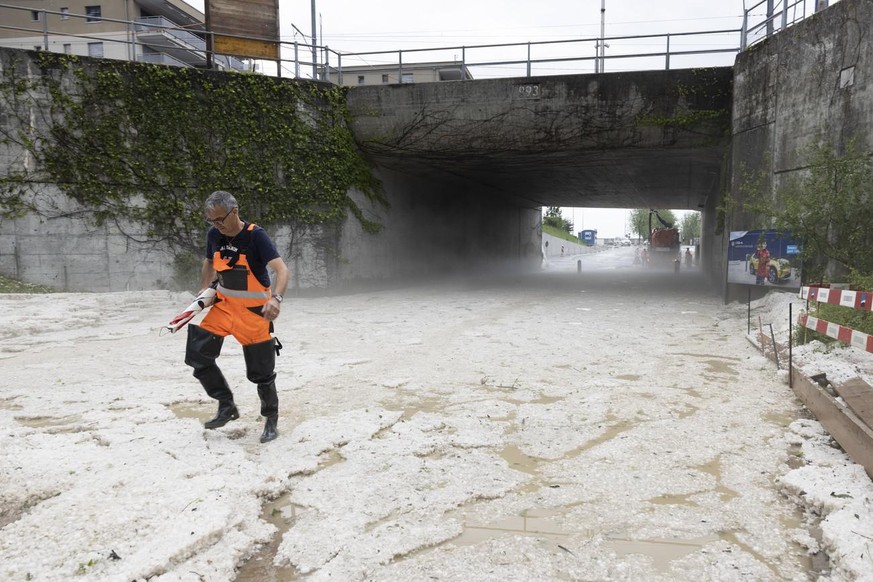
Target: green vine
684,120
143,145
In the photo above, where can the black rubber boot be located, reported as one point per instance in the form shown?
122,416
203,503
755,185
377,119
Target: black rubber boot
201,352
270,430
226,413
260,369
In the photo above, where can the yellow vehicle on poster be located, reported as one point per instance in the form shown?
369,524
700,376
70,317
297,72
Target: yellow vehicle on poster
778,270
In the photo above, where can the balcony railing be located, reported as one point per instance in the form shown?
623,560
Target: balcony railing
160,59
150,26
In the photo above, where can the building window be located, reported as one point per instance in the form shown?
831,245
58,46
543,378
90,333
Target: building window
95,49
407,78
36,15
360,79
65,13
68,48
385,78
92,13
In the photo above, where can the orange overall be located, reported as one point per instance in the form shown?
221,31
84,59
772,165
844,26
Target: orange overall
239,299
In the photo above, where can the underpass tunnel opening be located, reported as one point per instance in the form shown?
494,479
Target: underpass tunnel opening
463,225
632,246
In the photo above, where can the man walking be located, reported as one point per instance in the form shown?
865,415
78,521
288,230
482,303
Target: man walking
238,256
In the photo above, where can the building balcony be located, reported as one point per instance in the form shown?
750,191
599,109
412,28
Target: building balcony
166,37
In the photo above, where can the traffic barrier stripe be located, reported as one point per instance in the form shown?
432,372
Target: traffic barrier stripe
860,300
847,335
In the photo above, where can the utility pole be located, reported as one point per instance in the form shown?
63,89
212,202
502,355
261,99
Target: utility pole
602,34
314,46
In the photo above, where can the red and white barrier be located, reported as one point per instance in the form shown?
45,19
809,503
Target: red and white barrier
853,299
845,334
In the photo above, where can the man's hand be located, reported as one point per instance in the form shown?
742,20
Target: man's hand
271,309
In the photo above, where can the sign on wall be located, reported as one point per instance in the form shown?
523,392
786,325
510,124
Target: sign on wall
763,257
244,28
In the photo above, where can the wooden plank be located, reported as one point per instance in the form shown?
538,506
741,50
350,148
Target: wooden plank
242,47
859,397
853,435
257,19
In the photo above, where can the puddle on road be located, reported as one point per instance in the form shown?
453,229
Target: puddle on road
688,410
662,552
10,404
713,356
720,367
546,524
535,522
520,461
260,568
282,513
678,499
47,421
716,364
713,468
540,400
196,410
780,419
693,392
432,404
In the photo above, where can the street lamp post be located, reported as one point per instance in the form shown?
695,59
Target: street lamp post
602,34
315,46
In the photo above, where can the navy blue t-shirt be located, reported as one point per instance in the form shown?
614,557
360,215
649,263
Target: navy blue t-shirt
256,244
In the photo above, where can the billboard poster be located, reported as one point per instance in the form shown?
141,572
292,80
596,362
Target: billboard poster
244,28
763,257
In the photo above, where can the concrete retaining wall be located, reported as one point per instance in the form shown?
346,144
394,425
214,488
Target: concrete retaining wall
811,83
432,226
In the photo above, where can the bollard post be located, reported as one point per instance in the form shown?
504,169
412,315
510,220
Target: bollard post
579,266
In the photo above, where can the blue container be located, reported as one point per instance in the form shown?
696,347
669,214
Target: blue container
589,237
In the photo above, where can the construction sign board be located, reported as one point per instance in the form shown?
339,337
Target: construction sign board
782,268
244,28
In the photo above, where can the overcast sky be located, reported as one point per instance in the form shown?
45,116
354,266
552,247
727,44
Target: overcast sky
355,26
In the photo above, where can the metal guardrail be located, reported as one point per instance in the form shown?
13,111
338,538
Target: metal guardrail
768,17
562,52
641,52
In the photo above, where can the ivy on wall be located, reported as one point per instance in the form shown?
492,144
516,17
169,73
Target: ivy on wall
706,103
143,145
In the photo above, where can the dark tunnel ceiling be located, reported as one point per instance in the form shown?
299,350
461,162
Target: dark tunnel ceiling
626,178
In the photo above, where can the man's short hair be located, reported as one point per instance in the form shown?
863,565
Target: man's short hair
220,199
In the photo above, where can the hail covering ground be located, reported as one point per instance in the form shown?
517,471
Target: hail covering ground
613,424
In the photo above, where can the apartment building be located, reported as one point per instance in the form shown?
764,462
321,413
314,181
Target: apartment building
409,73
169,32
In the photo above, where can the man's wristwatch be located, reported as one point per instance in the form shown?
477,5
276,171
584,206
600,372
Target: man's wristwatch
277,297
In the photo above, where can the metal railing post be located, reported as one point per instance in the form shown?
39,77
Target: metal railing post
400,66
339,68
668,52
296,60
464,63
784,15
528,59
45,29
327,64
743,30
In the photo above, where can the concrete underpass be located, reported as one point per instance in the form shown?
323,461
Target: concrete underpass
485,156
